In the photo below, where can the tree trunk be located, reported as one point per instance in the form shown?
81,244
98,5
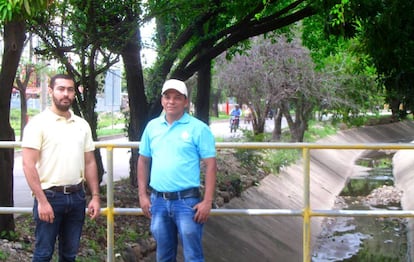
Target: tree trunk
258,117
258,120
22,87
289,119
395,109
304,114
85,107
277,130
214,105
202,104
23,112
91,116
138,106
13,37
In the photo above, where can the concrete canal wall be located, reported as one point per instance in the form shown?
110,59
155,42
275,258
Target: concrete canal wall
276,238
403,167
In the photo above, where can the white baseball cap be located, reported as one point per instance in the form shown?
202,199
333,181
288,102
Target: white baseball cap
176,85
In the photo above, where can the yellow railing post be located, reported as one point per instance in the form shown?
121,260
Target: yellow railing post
306,203
110,206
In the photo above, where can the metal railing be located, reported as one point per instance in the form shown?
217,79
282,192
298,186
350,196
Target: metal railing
306,212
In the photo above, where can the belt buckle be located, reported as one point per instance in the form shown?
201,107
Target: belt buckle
65,190
165,195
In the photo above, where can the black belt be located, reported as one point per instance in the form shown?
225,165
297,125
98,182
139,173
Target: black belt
68,189
192,192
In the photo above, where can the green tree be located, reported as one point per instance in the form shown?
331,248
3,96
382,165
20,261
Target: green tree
384,29
14,15
189,36
388,37
138,104
80,38
351,89
275,74
97,33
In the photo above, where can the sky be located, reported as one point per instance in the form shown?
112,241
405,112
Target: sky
148,54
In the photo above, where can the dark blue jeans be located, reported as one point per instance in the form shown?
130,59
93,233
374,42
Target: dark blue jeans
173,221
69,212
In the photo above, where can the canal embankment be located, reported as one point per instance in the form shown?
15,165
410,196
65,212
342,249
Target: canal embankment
403,163
279,238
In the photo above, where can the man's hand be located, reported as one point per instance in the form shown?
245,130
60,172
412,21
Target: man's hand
203,211
145,205
94,207
45,212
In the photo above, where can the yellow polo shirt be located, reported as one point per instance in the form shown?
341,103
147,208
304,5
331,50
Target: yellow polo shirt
62,144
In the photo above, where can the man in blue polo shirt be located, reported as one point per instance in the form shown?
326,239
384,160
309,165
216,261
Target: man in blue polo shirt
171,148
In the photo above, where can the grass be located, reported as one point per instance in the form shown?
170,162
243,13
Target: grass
15,119
273,161
110,132
107,120
318,130
108,124
222,116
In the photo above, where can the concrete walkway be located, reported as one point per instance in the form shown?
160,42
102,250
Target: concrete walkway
235,238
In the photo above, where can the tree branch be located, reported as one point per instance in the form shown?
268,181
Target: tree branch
238,34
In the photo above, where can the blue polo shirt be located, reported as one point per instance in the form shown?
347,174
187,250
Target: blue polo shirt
176,151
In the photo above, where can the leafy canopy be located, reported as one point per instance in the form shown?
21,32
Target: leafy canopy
19,9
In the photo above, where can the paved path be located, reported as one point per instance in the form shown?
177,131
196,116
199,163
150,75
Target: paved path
22,194
221,129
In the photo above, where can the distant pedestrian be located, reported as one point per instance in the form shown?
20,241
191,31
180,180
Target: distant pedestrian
58,156
270,114
171,148
247,115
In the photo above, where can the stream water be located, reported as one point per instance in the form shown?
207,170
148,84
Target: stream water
365,238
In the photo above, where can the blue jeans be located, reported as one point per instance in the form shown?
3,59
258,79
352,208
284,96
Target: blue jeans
173,219
69,212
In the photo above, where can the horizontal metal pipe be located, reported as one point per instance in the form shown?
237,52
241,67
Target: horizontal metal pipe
257,145
250,212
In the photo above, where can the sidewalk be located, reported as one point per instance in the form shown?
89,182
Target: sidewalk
21,191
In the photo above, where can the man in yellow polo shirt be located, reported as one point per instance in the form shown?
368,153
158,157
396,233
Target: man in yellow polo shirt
58,156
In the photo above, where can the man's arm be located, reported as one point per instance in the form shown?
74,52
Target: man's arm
204,207
210,180
30,158
91,177
143,166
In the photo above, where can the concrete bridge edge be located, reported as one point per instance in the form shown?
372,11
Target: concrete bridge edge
270,238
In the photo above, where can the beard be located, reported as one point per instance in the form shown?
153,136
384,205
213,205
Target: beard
61,106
